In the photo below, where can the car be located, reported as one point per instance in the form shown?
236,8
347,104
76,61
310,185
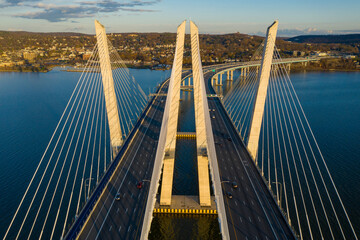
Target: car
229,139
213,116
234,185
229,195
117,196
139,185
214,110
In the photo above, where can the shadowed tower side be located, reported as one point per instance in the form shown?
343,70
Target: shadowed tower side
265,68
109,90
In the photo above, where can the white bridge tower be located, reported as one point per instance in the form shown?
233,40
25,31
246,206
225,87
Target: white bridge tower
109,90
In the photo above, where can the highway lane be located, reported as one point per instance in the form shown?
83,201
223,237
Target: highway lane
252,212
122,219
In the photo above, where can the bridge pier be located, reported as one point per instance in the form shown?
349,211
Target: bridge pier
244,72
288,67
214,80
230,75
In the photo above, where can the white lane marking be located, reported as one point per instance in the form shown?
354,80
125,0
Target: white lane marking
117,210
119,229
126,210
235,203
110,228
127,171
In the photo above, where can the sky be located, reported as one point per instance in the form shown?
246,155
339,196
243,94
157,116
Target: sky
296,17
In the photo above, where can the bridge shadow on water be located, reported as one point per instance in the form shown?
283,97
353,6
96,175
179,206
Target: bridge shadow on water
184,227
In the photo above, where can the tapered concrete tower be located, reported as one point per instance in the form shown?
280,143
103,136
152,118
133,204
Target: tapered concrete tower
201,109
109,90
265,68
171,116
165,154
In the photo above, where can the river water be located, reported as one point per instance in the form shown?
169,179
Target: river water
32,103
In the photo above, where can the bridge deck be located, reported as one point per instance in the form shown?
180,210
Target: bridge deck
251,212
123,219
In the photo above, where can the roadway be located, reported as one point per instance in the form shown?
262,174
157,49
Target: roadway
252,212
123,219
107,218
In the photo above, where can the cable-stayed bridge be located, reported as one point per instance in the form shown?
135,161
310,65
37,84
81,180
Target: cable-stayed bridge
111,158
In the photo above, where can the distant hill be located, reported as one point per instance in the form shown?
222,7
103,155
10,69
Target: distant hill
347,39
27,34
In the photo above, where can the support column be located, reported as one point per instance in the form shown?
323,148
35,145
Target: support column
232,75
170,118
262,90
228,75
288,67
216,79
109,90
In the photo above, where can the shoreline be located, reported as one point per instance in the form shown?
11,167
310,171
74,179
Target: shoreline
67,68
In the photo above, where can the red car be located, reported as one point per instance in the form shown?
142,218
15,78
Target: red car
139,185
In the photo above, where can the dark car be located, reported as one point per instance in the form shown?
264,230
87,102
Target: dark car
229,195
117,197
229,139
234,185
139,185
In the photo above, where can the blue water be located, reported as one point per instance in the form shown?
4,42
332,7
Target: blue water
331,101
32,103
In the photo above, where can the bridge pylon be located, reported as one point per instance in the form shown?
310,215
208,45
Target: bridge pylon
109,90
171,116
265,68
206,154
201,107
